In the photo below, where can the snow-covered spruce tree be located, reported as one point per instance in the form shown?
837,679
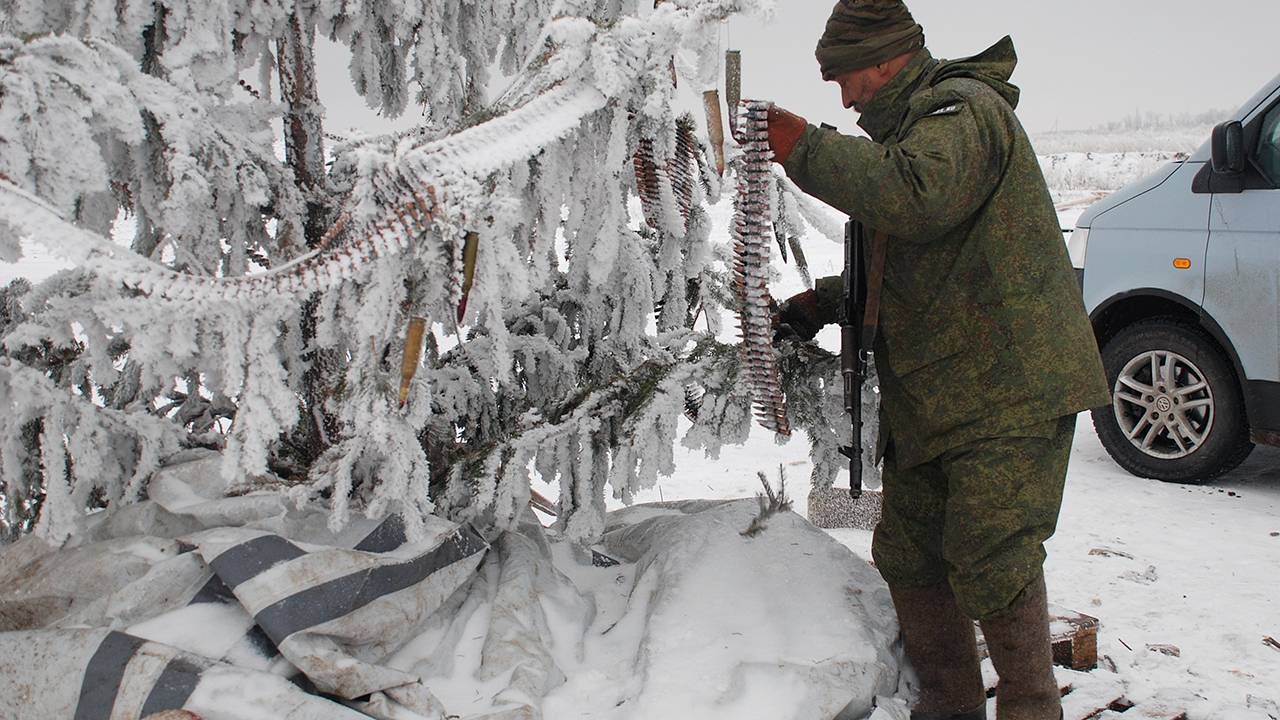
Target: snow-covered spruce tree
256,302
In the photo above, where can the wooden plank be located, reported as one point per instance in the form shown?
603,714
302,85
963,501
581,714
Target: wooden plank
1074,636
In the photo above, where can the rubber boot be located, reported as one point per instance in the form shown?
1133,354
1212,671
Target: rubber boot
1022,653
941,646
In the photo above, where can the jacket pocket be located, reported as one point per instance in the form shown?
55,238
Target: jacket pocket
950,376
912,348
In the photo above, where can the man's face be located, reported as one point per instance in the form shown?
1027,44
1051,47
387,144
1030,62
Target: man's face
857,87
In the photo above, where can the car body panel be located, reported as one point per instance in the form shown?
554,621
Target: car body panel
1134,244
1126,193
1242,282
1233,243
1203,154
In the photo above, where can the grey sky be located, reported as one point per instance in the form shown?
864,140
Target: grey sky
1082,62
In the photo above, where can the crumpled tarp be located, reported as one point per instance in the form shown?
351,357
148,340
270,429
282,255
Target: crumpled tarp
239,607
787,625
676,614
248,607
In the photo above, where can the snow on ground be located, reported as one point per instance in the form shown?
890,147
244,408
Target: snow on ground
1164,566
1192,567
1183,578
1170,136
1075,175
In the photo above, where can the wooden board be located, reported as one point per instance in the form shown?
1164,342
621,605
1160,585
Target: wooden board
1074,636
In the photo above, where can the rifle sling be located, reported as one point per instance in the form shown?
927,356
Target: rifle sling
875,283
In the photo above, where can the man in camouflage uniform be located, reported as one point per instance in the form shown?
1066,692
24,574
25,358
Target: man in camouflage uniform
985,355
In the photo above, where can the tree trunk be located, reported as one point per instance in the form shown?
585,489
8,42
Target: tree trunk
304,153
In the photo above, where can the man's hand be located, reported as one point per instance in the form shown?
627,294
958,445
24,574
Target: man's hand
799,318
785,130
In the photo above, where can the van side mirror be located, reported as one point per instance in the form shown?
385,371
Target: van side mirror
1228,148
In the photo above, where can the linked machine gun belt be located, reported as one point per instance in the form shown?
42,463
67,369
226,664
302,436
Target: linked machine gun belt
755,207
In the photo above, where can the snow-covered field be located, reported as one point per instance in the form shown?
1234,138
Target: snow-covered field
1184,579
1195,568
1167,136
1187,567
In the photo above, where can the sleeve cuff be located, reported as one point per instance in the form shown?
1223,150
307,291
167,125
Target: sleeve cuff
797,164
830,294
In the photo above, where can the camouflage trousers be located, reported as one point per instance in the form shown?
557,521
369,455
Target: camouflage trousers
976,516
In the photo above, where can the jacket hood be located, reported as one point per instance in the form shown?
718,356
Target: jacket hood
993,66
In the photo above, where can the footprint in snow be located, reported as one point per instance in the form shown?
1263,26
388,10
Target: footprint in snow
1147,577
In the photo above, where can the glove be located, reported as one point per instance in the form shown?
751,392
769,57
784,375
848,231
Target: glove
798,319
785,130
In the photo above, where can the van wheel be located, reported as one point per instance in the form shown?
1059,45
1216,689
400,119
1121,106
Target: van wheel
1176,410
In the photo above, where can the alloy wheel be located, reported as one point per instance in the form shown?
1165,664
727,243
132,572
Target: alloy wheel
1163,404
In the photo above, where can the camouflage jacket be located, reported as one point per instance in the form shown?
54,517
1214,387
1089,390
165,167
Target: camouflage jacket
983,331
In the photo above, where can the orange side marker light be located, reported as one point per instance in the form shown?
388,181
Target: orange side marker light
1182,263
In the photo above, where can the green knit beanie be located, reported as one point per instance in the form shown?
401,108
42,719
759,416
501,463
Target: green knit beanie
862,33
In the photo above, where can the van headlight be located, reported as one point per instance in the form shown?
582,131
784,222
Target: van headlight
1077,246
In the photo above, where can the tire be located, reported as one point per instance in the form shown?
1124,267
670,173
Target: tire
1190,430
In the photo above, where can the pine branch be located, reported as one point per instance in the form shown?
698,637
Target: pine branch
771,504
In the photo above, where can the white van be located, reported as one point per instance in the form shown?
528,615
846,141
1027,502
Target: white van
1181,278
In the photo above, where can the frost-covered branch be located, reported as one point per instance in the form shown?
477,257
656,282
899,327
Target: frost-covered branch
572,352
87,455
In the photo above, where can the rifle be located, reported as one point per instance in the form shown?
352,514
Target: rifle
858,334
852,367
